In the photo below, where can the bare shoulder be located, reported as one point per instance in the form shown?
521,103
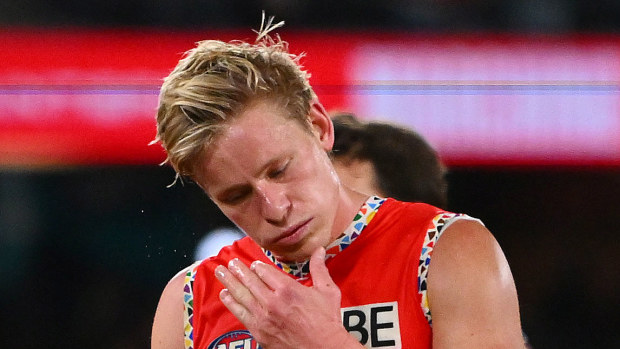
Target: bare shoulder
472,295
467,243
168,323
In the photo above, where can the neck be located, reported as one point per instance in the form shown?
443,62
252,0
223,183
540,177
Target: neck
348,207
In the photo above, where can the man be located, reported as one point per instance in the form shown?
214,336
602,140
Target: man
322,266
388,160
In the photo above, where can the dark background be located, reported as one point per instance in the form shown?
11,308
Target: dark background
415,15
86,251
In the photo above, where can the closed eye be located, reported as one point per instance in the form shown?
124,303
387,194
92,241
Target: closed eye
236,195
278,171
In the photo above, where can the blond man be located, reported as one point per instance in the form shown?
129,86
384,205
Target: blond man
322,266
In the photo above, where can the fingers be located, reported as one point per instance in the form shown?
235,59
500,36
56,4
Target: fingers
277,310
238,310
271,276
320,275
244,290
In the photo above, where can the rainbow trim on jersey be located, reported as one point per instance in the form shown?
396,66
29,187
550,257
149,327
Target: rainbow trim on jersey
188,302
435,228
366,213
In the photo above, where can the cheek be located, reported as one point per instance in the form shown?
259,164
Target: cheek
322,169
240,217
314,184
329,176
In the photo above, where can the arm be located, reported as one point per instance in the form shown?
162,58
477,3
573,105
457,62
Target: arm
472,295
168,323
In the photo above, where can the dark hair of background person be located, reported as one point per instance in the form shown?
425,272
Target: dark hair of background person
407,167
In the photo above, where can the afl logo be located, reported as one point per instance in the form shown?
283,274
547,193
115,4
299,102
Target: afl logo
241,339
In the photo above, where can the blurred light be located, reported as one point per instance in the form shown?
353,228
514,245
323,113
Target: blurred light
213,241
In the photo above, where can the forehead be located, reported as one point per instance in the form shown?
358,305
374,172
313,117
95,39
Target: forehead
256,121
258,135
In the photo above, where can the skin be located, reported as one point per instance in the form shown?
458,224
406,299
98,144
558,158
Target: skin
472,295
358,175
167,330
254,295
273,178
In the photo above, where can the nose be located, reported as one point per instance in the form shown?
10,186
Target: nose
274,204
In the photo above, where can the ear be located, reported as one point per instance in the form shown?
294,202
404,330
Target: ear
322,125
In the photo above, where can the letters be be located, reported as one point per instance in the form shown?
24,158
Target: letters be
354,320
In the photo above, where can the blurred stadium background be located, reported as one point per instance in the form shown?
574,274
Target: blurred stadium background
521,98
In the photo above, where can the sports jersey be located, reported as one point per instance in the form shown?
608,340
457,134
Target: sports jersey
380,263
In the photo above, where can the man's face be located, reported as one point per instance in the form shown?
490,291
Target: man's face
274,179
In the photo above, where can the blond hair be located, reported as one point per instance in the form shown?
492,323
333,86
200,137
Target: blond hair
215,81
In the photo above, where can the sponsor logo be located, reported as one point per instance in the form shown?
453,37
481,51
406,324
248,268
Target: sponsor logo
374,325
241,339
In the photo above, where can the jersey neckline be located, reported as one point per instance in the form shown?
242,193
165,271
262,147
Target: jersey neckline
301,270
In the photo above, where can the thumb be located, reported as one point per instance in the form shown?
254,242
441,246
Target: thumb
320,274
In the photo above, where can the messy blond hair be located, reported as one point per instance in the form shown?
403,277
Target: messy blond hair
215,81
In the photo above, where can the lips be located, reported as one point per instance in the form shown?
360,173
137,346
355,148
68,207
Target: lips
294,234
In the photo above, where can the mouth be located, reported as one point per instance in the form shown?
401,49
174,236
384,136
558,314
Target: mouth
294,234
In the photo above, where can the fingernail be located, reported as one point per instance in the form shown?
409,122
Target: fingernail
254,264
219,272
233,265
224,293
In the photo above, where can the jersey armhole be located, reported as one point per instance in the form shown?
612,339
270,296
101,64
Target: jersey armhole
435,228
188,305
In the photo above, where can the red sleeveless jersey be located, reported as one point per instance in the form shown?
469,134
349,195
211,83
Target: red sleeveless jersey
380,266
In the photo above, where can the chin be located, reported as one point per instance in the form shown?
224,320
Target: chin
299,256
295,255
301,251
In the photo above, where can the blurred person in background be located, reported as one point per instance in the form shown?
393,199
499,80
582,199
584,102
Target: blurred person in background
322,266
387,160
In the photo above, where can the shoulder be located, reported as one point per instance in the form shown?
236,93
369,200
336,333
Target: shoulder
168,327
467,254
471,291
466,245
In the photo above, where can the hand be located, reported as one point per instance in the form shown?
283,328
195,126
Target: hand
281,313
